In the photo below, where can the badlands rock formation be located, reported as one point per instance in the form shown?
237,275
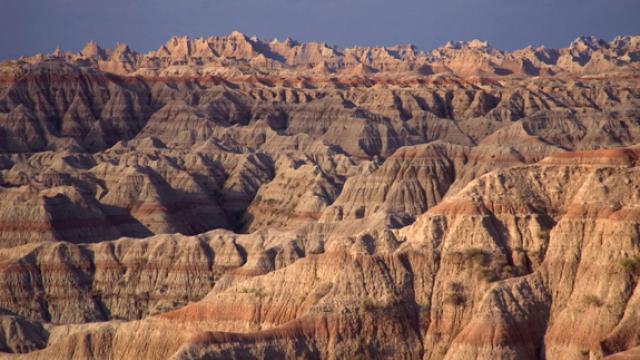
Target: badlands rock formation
232,197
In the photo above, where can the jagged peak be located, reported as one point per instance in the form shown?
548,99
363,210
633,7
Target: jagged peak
92,44
473,44
57,52
289,53
122,48
291,42
178,39
288,41
590,42
627,41
404,47
322,68
92,50
237,35
478,44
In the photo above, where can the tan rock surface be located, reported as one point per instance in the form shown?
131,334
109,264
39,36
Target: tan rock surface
232,197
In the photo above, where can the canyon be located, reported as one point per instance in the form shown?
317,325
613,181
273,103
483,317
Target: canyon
234,197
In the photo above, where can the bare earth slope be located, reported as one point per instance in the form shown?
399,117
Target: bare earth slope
232,197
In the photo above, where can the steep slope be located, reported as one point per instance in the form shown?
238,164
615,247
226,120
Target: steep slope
231,197
498,270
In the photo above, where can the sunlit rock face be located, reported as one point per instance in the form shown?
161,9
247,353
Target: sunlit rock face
233,197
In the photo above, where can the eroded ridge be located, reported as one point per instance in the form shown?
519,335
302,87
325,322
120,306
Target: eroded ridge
232,197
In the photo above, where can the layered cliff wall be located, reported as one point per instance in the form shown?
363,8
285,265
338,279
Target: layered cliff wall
232,197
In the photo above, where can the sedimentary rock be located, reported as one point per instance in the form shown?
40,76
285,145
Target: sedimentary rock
231,197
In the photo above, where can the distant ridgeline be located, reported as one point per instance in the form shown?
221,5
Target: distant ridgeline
237,55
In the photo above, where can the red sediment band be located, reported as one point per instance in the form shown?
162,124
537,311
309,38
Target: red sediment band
457,207
614,157
589,211
497,333
484,158
264,208
301,328
24,226
140,264
299,81
496,207
66,224
80,294
319,327
274,313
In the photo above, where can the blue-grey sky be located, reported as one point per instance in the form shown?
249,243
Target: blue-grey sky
31,26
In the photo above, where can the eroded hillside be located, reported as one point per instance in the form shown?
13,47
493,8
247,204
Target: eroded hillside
234,197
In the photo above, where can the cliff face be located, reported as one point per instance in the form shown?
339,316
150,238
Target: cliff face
233,197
